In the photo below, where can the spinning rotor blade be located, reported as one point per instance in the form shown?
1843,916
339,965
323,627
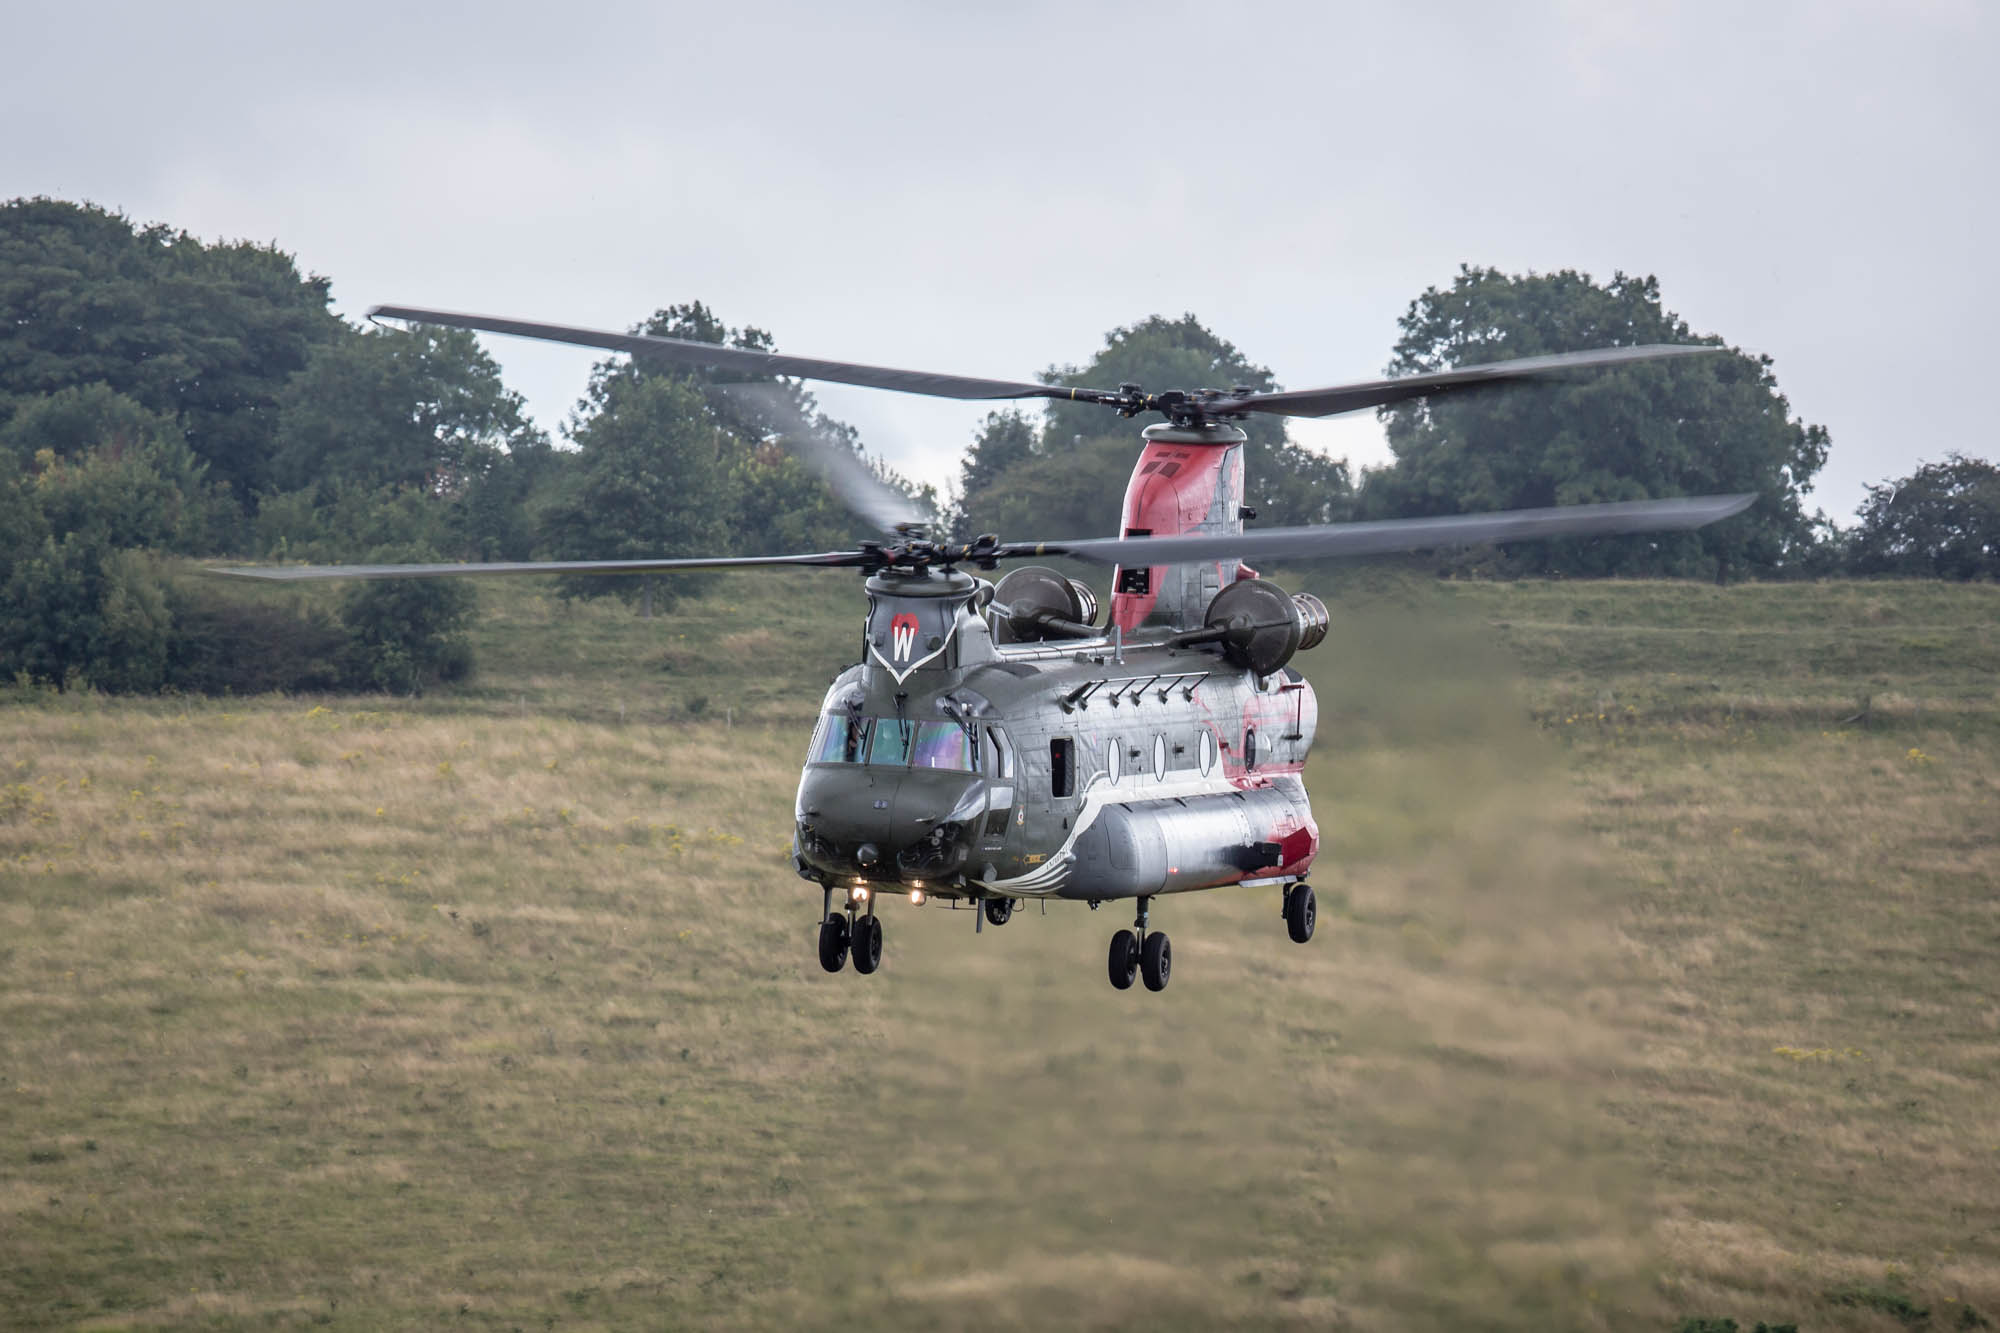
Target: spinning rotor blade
681,351
1380,393
293,573
1391,536
843,471
1129,401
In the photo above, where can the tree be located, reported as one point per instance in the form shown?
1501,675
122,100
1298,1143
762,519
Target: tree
404,634
204,334
388,413
423,407
1077,493
723,468
1941,521
1690,426
654,479
101,461
1006,440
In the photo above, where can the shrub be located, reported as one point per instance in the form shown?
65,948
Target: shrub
406,634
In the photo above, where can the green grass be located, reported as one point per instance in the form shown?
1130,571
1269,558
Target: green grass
1649,987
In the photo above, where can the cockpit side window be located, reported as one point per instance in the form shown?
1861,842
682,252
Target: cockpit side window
843,739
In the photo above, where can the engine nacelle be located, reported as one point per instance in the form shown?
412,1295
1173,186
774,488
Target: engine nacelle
1262,625
1035,603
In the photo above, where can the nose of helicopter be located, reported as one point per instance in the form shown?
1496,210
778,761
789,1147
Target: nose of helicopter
907,824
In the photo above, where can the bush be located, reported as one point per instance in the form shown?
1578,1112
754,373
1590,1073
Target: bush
406,634
235,640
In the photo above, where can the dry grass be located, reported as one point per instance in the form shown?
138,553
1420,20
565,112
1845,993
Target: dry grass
368,1015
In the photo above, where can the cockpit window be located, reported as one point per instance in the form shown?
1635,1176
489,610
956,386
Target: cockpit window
941,745
892,741
843,739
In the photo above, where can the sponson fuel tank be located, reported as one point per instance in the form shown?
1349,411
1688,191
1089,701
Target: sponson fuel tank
1198,842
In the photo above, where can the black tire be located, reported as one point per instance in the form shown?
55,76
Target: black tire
867,944
1301,911
1156,960
999,911
833,943
1124,961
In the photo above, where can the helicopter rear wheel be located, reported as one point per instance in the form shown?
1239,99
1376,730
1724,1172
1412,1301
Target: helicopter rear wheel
1124,961
1301,911
833,943
1156,961
999,911
867,944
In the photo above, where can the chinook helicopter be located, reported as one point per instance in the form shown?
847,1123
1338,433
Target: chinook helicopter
996,744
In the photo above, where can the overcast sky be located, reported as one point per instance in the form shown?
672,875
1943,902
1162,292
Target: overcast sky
988,189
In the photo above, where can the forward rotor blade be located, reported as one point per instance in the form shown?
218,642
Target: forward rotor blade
1380,393
1392,536
680,351
845,473
296,573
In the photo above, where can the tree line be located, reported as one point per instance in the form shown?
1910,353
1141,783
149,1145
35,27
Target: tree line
165,400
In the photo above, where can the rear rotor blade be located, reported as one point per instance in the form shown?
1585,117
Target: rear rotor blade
1381,393
295,573
680,351
1392,536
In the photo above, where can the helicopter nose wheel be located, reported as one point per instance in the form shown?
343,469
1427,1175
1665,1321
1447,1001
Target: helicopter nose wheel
867,943
999,911
1148,954
1301,911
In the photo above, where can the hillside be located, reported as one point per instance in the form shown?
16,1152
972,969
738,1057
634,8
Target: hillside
1653,981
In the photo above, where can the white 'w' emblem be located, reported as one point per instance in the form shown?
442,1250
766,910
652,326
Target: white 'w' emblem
903,636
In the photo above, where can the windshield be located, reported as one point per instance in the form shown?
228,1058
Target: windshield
941,745
846,739
892,741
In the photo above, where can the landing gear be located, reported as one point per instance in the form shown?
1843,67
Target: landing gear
1124,962
999,911
1301,910
1142,952
1156,961
833,944
867,943
851,932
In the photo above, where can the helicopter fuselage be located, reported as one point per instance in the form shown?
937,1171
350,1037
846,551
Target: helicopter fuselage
950,765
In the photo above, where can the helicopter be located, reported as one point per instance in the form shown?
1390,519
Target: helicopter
995,744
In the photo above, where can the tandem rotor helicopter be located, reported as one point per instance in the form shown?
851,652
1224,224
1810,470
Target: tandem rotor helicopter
995,743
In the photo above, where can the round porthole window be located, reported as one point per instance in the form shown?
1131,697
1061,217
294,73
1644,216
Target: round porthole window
1207,750
1160,758
1114,760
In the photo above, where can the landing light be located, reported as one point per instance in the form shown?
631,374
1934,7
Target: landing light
859,893
917,897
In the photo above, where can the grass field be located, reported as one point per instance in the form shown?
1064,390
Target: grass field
1656,978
